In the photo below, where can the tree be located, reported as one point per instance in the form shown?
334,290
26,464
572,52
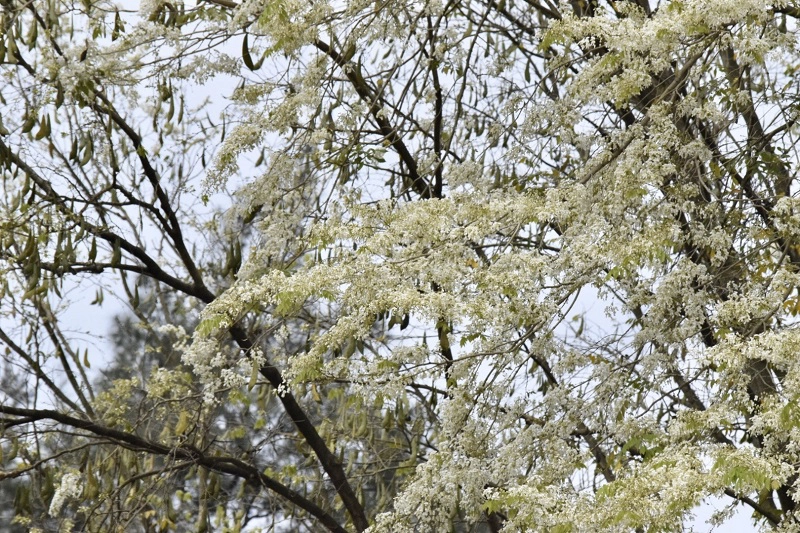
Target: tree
360,293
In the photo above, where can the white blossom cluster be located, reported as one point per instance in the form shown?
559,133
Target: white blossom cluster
69,488
434,241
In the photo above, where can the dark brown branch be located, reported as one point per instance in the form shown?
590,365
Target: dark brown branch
174,227
581,429
790,11
438,110
376,109
222,464
328,460
37,369
330,463
223,3
772,515
153,270
61,352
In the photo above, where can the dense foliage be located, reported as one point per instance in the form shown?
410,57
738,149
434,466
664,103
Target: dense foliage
439,265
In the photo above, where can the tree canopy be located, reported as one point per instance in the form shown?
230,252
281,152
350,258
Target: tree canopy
438,265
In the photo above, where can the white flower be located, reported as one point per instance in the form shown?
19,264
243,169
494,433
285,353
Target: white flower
69,488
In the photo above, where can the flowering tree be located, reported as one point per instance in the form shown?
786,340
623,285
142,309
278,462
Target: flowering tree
360,241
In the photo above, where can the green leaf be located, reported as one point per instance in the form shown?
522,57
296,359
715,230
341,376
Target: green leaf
119,27
30,122
248,61
116,253
254,373
209,325
44,128
93,250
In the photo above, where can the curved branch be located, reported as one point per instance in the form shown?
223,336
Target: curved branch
375,103
330,463
328,460
37,369
225,465
152,268
174,227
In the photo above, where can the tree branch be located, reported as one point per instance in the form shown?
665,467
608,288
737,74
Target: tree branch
353,73
222,464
